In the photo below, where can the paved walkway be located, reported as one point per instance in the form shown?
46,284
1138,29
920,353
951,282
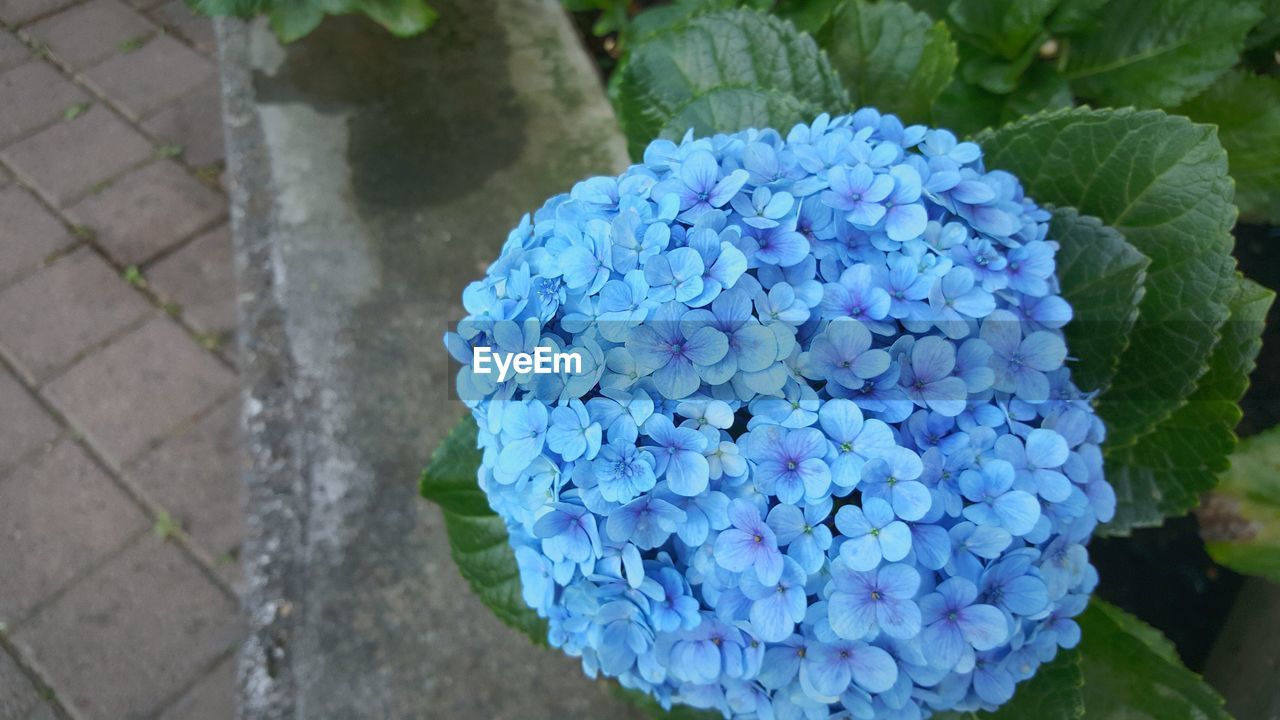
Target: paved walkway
120,516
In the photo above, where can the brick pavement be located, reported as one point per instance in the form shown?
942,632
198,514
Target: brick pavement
120,513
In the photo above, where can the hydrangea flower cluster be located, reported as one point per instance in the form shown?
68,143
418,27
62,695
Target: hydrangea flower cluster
823,457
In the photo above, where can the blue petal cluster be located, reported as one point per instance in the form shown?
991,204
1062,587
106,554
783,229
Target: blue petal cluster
823,455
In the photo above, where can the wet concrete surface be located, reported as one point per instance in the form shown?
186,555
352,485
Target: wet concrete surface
372,179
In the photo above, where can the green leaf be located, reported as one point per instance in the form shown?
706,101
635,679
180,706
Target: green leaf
450,480
612,14
1073,16
477,536
967,108
229,8
1240,521
1265,32
402,17
726,108
807,15
936,9
992,72
1165,472
293,19
1102,277
1162,182
1131,671
1158,54
663,17
1246,109
647,705
1053,693
722,72
1005,28
891,57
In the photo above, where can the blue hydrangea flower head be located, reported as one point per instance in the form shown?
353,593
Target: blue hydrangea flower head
822,456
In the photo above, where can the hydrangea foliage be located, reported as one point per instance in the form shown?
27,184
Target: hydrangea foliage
824,453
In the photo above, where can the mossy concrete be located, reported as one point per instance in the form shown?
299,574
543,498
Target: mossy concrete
372,178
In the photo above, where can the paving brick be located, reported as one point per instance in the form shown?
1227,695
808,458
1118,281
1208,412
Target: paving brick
70,157
26,424
12,50
132,634
194,123
213,698
147,79
158,378
18,695
59,516
90,33
195,476
17,12
58,312
179,18
148,210
29,233
30,96
200,278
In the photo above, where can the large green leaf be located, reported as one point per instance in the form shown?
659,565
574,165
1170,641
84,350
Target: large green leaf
1162,182
724,109
1132,672
1165,472
663,17
1053,693
1102,277
1241,519
1246,109
722,72
890,56
477,536
1157,54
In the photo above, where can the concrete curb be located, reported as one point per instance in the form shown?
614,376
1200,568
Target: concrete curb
371,179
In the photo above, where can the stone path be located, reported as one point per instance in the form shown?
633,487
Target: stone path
120,512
